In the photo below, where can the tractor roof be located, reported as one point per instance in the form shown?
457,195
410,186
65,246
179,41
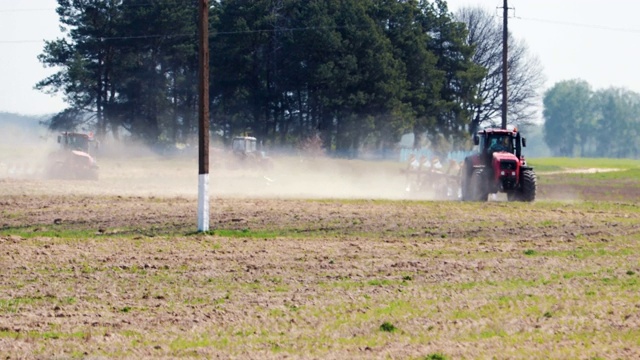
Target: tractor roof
498,131
69,133
244,137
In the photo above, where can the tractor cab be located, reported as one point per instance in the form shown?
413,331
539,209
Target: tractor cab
244,145
248,155
490,141
77,142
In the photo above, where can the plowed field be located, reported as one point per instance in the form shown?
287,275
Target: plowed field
330,261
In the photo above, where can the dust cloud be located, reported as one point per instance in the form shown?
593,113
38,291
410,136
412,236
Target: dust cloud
24,151
300,177
137,170
133,169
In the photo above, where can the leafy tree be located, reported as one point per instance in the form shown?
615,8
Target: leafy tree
85,59
125,64
372,74
461,74
335,75
404,25
523,70
155,83
568,116
617,125
604,123
356,73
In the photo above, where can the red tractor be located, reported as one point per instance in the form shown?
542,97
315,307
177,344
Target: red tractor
497,166
74,159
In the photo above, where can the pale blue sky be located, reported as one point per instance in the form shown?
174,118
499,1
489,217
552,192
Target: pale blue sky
593,40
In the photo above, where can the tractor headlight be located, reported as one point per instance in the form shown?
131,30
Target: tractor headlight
502,173
513,173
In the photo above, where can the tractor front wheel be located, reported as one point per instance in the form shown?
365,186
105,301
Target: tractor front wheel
528,189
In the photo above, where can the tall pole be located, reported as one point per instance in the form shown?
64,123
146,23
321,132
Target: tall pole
203,117
505,35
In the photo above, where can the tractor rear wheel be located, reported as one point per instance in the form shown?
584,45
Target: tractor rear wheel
478,186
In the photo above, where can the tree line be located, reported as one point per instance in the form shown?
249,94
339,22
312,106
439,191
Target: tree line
580,121
353,72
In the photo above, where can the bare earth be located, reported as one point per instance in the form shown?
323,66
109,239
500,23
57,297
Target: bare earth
113,269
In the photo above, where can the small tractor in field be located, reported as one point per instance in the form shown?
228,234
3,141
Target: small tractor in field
497,166
74,159
247,156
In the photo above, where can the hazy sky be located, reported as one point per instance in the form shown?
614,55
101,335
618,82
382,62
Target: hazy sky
593,40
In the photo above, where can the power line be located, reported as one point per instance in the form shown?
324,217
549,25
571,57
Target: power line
546,21
128,5
26,10
172,36
155,36
103,38
20,41
581,25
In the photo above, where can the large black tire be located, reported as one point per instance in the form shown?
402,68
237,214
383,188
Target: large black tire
528,187
478,186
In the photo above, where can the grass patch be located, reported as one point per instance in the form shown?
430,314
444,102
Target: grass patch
558,163
244,233
181,344
52,231
388,327
435,356
379,282
16,304
586,253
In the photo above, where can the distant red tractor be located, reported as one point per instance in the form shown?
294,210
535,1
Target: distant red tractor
497,166
74,159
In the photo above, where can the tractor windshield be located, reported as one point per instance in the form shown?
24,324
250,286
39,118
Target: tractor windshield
244,144
238,145
77,142
500,142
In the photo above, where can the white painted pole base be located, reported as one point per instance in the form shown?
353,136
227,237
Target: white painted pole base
203,202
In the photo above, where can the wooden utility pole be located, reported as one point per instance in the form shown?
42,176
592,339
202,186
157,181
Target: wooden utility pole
203,117
505,36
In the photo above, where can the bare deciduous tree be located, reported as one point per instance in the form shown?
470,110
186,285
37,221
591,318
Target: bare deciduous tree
524,71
